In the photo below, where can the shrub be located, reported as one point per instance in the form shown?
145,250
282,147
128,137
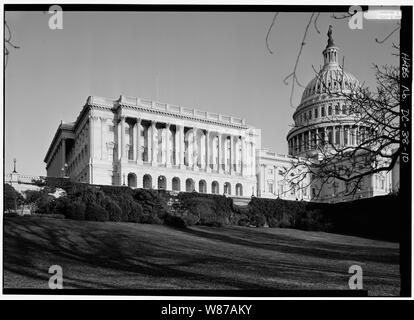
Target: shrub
75,210
135,212
152,202
12,198
45,204
206,209
174,221
95,212
150,219
113,209
61,205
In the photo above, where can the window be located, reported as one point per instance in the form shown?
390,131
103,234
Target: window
329,110
310,114
316,113
270,186
337,136
322,111
337,109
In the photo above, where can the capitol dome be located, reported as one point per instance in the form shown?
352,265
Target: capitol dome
329,79
322,118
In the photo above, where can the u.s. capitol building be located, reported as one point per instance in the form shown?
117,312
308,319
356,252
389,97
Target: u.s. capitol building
147,144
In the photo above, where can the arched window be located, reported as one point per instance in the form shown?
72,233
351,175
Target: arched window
202,186
239,189
176,184
162,183
147,181
189,185
227,188
132,180
215,187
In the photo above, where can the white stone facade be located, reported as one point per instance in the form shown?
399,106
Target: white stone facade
146,144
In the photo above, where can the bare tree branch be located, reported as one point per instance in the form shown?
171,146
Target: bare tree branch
268,32
7,42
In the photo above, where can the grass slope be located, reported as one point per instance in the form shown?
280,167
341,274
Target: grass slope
137,256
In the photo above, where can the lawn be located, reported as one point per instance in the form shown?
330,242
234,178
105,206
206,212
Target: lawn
137,256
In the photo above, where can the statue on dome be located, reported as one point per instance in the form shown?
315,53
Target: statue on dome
330,39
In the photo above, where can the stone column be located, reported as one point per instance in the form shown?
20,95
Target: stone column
195,151
182,147
303,141
341,135
232,155
63,154
219,153
264,178
139,138
357,139
122,155
176,146
317,133
91,137
153,144
349,135
102,137
253,171
134,142
208,169
243,156
167,146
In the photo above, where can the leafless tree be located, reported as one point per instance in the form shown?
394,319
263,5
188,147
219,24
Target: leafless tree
376,145
373,148
8,44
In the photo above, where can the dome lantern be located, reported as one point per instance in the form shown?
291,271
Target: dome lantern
330,54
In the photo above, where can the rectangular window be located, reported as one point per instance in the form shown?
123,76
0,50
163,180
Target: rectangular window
270,187
316,113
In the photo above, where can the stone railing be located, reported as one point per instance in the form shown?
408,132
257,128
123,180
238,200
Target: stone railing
154,105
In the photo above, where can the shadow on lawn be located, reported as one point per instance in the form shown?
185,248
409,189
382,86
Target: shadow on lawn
24,242
311,248
116,257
